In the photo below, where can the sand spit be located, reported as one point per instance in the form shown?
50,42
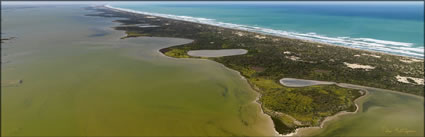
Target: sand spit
217,53
354,66
358,66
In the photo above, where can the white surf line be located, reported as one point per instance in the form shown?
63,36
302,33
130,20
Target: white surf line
392,47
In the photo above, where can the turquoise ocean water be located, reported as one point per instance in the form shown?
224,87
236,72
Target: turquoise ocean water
391,27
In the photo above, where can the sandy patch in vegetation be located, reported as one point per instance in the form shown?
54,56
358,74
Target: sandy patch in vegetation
410,60
358,66
293,58
372,55
364,54
286,52
418,81
150,17
240,34
260,37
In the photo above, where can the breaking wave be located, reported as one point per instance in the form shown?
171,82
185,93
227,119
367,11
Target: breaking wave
392,47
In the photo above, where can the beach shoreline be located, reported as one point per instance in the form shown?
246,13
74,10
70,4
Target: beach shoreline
266,35
322,123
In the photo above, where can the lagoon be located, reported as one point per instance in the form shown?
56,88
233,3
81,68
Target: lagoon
217,53
292,82
81,79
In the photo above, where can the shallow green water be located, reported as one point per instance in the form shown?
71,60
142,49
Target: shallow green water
79,78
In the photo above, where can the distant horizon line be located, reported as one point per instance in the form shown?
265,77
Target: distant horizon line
35,2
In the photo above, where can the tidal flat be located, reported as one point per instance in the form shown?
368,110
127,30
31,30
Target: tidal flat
81,79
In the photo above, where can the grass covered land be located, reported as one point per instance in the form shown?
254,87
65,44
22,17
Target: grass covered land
271,58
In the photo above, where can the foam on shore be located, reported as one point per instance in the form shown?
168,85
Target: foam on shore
392,47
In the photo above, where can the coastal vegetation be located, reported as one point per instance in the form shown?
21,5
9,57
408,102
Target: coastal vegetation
271,58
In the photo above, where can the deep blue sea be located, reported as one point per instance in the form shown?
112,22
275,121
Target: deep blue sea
392,27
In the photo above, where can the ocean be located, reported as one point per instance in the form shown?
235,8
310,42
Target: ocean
390,27
81,79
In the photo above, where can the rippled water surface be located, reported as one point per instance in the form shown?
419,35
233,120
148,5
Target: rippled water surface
80,79
71,75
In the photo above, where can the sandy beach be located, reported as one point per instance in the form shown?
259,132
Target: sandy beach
221,80
263,36
257,34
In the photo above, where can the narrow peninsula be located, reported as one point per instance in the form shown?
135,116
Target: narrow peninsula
268,59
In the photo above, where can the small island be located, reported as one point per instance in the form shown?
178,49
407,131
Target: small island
267,59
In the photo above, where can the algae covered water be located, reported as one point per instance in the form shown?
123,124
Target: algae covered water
80,79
